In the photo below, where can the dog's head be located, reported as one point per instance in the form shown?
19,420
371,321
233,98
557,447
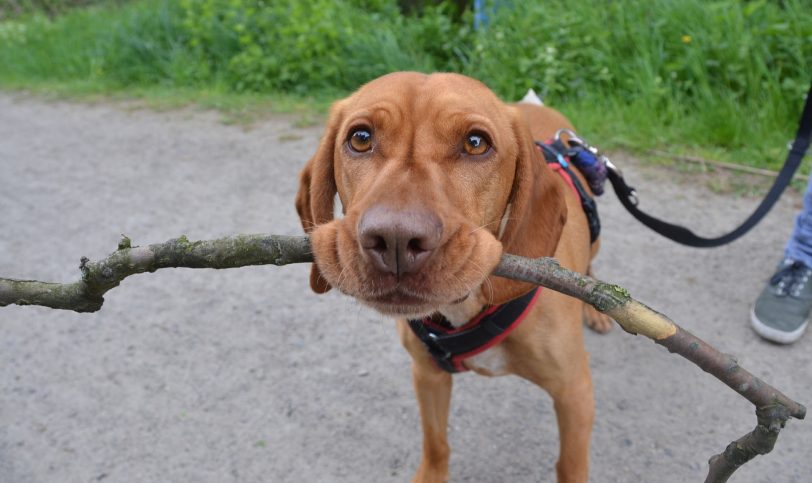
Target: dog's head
436,178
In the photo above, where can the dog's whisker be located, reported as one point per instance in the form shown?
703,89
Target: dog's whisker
483,226
507,220
340,275
468,289
486,279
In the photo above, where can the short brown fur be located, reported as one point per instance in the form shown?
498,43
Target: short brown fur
416,164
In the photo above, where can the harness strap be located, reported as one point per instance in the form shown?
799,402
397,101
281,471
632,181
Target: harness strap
567,177
683,235
449,347
557,155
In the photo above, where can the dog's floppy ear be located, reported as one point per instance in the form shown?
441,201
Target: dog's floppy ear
317,189
536,212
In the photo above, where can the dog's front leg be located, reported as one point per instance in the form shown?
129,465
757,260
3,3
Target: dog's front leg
574,409
433,389
571,390
432,386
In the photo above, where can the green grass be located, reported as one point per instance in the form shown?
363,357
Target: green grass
235,108
719,79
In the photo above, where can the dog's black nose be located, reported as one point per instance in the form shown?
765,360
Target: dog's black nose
399,241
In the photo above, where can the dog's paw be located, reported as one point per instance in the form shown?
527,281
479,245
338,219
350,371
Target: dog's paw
432,473
430,478
597,321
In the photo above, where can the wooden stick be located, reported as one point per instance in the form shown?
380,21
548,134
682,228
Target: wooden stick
773,408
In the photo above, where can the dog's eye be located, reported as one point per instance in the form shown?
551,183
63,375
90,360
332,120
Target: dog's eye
360,141
476,144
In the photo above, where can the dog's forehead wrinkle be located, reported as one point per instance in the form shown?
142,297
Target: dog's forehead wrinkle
453,108
380,113
454,88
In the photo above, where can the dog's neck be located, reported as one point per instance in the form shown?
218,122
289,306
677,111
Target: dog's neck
460,313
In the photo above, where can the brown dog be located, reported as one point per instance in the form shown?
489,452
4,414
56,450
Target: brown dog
437,178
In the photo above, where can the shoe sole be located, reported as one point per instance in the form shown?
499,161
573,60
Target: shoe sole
773,334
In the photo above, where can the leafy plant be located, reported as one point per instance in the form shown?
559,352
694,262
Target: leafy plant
714,75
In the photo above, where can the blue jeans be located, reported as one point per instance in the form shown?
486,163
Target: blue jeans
799,245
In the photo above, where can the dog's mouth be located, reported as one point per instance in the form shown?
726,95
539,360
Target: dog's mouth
456,270
400,302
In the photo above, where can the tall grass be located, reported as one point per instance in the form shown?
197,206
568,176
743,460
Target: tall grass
717,74
15,8
720,76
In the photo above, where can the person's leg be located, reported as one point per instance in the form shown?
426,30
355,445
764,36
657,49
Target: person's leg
799,245
781,311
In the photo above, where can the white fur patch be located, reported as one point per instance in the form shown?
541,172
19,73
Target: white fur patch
532,98
493,361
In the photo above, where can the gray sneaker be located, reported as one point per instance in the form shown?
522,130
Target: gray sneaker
782,309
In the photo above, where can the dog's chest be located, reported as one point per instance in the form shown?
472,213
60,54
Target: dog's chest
492,362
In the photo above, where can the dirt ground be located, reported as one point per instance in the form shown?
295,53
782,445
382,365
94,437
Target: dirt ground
245,375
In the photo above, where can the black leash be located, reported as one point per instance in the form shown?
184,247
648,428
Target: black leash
680,234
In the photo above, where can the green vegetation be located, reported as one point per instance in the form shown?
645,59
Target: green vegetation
12,8
723,79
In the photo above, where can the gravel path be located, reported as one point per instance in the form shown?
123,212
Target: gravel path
245,375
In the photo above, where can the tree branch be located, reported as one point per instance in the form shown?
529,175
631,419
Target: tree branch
771,420
773,408
636,318
87,294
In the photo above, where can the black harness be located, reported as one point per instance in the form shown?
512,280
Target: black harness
450,346
556,152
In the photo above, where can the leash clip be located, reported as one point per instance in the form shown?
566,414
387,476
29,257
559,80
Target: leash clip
573,138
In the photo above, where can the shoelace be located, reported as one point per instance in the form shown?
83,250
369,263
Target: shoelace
791,279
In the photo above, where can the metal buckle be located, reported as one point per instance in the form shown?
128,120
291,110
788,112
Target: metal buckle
573,138
436,348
